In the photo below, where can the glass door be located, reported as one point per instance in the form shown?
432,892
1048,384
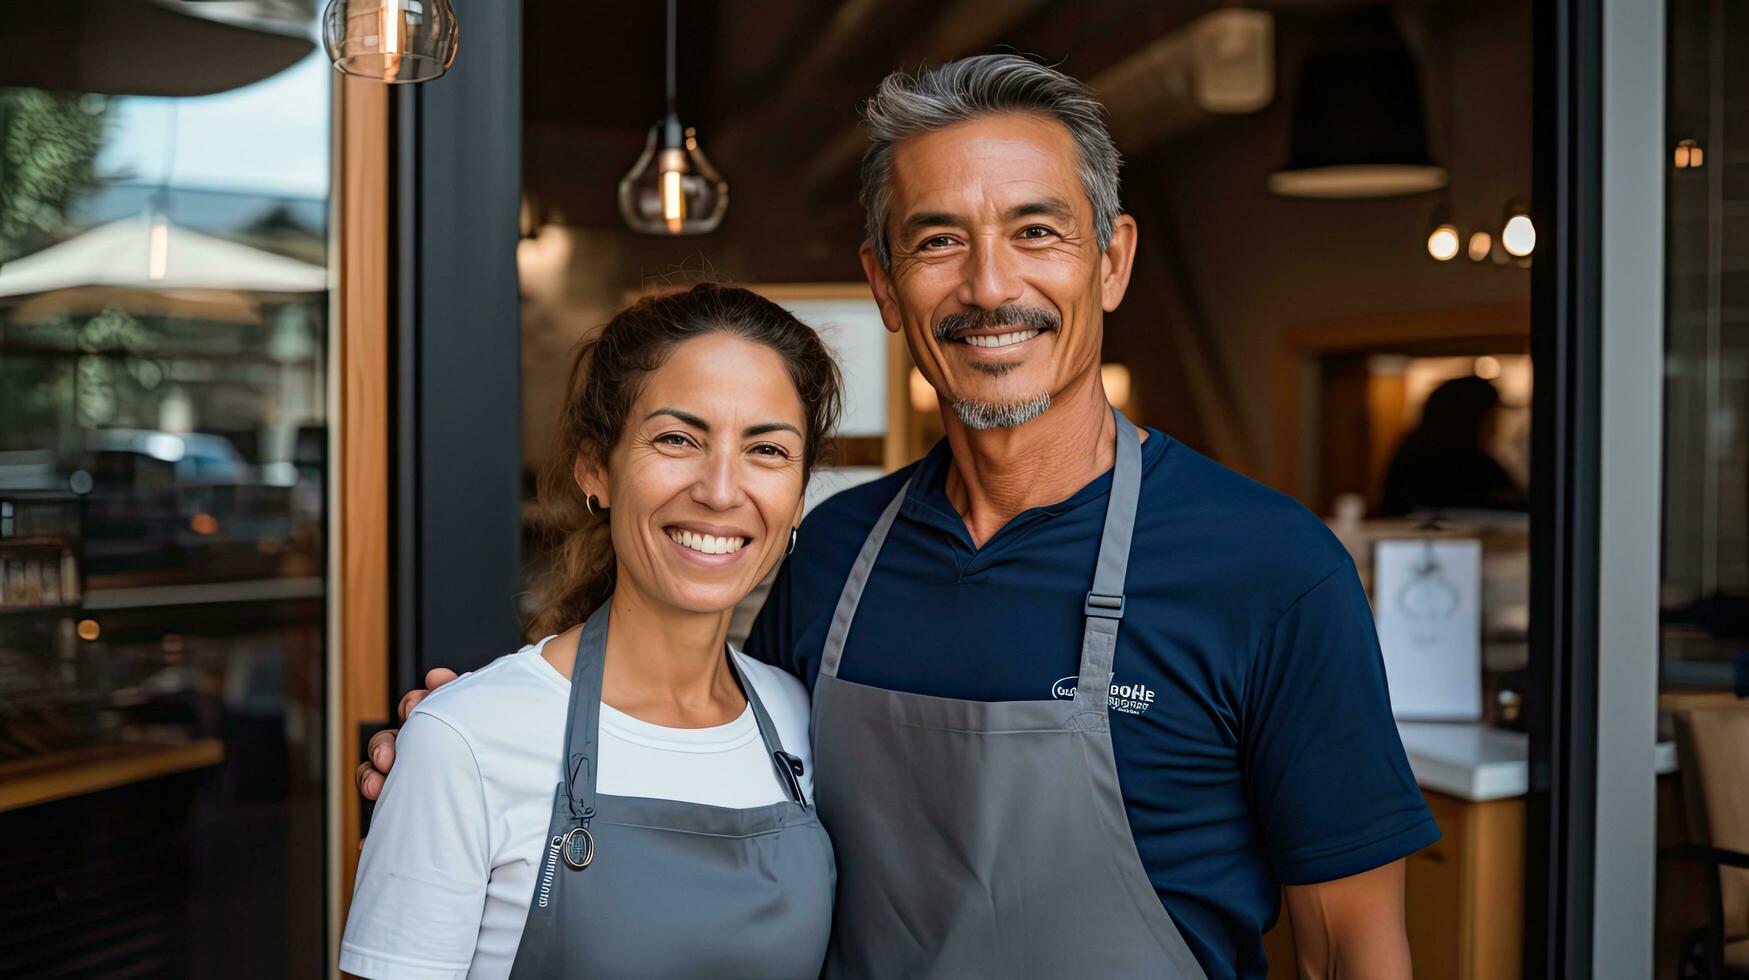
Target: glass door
163,507
1703,829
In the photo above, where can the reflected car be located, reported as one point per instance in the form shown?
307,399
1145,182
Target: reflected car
179,501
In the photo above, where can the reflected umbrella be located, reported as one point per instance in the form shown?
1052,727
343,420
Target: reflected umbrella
158,256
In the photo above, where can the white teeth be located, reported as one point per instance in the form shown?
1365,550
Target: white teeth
708,544
1003,340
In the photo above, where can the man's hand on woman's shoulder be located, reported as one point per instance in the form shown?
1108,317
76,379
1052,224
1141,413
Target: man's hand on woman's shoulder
381,754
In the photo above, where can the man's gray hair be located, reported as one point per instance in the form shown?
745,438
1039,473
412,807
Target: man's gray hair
906,105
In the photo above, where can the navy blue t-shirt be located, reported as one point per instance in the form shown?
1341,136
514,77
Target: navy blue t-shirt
1252,727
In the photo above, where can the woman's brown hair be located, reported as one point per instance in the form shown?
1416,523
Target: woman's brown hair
606,376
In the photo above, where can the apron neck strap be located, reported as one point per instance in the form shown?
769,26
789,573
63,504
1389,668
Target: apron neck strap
788,767
1103,608
583,720
851,595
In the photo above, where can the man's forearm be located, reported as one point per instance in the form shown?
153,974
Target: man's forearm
1351,928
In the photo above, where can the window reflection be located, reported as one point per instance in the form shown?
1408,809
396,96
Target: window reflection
1702,924
163,328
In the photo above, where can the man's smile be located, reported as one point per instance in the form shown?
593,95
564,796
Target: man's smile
992,341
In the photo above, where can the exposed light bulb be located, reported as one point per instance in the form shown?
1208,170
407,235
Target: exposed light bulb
1519,235
1443,243
1480,244
391,38
673,196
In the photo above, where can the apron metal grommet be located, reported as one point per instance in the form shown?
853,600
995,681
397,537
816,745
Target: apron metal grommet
579,848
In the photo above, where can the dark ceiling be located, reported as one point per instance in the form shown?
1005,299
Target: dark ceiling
773,86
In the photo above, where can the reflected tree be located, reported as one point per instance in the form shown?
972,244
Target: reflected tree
48,143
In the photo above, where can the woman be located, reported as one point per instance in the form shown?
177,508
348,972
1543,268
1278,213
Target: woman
680,840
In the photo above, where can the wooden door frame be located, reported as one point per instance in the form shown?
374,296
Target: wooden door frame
358,484
1302,344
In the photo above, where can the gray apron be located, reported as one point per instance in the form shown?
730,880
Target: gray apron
632,887
988,838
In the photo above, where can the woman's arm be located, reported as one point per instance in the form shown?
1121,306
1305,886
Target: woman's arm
421,886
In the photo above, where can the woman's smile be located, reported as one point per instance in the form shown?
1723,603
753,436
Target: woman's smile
708,545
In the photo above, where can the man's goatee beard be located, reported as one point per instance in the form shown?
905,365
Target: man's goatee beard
983,416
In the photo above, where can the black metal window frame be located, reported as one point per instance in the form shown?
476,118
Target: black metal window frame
1566,288
456,438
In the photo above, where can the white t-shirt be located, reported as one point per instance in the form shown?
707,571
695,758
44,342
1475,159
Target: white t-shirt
449,865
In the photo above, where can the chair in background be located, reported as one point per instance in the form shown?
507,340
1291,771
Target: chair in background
1712,745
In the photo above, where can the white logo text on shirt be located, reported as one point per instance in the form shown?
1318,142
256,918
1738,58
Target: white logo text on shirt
1131,699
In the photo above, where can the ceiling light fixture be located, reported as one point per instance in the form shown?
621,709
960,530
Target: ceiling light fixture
1443,241
1517,233
1359,127
1688,155
391,41
673,189
1481,243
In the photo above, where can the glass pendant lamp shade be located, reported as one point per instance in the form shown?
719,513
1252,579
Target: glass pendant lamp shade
391,40
673,189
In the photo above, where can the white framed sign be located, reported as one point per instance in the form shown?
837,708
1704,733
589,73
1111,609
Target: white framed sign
1427,602
852,328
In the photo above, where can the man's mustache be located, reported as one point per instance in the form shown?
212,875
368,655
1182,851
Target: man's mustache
956,325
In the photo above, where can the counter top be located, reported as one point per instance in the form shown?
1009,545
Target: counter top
1477,762
56,775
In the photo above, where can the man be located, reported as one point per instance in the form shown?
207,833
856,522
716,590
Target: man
1084,701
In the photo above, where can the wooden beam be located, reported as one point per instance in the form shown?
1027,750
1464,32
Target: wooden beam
360,491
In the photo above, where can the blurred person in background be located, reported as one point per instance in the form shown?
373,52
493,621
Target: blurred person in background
1444,463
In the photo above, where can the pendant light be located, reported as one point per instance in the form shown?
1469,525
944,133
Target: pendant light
672,189
390,40
1517,233
1481,243
1359,127
1443,242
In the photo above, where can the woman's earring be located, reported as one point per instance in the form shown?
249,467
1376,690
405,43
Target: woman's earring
592,506
792,543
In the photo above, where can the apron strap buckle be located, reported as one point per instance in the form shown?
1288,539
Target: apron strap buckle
789,767
1103,606
582,803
